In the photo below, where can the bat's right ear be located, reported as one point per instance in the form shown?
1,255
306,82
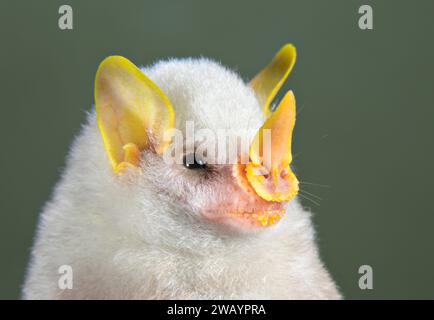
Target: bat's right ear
269,80
133,114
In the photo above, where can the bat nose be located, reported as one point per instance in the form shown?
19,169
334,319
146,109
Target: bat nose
268,172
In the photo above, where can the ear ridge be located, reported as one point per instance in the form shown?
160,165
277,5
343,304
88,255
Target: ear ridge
269,80
132,112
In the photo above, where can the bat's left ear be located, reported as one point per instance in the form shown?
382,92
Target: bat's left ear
133,114
269,80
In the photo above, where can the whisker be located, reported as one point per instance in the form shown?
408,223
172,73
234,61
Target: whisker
296,155
324,136
304,196
311,194
315,184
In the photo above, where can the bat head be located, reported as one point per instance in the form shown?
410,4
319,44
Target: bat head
190,146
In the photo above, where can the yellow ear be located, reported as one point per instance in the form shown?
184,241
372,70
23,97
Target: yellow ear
132,112
268,82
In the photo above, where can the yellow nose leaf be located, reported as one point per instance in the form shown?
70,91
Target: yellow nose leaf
270,153
282,187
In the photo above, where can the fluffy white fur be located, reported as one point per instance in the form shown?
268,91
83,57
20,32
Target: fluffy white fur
137,235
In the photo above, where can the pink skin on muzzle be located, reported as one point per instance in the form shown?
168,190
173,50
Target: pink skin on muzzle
235,203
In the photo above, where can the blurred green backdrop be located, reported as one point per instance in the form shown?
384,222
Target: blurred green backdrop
365,114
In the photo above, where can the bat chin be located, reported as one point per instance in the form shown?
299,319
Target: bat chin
247,218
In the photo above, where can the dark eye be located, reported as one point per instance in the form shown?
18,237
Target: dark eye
192,161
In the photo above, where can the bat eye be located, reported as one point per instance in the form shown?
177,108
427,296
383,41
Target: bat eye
192,161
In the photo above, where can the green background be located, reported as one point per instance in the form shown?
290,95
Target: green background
364,126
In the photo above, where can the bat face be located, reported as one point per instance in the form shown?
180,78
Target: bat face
211,194
195,139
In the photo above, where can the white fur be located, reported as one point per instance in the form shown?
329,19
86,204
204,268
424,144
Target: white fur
137,236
